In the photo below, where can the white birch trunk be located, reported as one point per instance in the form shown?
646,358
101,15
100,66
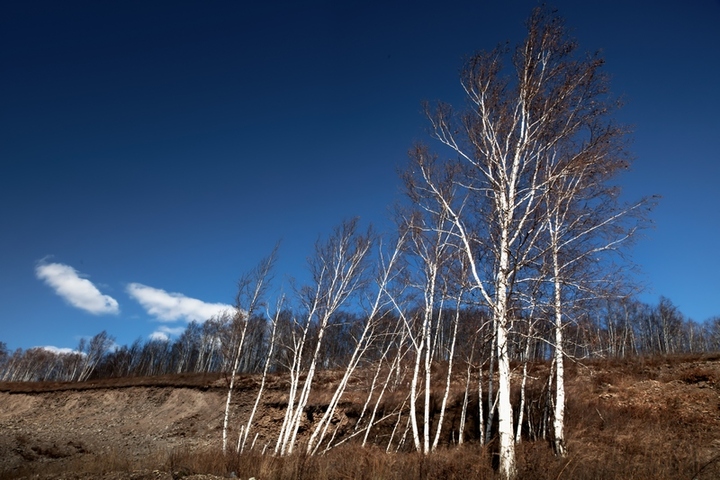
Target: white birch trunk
294,373
463,412
337,269
414,395
448,380
526,355
505,410
377,403
481,412
559,414
248,426
521,408
395,365
428,387
491,397
236,361
361,346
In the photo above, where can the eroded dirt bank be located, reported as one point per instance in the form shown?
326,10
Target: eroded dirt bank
113,424
127,424
660,416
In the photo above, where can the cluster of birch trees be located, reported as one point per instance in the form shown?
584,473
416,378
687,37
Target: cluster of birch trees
607,328
507,251
518,222
526,199
41,364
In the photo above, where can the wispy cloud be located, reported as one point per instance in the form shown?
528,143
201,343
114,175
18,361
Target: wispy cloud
164,333
170,307
77,291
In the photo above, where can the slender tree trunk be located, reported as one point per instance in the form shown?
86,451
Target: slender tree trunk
448,380
392,434
521,409
491,384
294,372
463,412
268,358
481,412
505,410
426,410
559,416
395,364
236,362
414,394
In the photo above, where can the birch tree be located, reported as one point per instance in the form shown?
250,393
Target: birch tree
518,118
378,306
430,246
93,352
245,430
251,289
337,269
583,217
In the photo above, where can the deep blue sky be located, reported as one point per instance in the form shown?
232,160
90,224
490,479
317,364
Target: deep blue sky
150,148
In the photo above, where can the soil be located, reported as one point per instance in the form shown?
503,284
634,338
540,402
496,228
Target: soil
124,424
59,426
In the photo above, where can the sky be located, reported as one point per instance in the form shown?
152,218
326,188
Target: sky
153,152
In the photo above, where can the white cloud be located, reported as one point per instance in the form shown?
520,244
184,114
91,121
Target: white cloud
60,351
170,307
159,336
163,333
78,292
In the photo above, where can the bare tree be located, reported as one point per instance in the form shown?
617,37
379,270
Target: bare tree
242,438
430,246
551,104
337,273
96,348
251,290
582,217
367,337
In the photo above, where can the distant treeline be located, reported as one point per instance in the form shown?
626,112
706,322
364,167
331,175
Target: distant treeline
613,329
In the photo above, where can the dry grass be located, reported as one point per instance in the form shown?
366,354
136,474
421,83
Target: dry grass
666,460
646,457
89,466
641,419
346,462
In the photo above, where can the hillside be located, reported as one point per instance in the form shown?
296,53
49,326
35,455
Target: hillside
657,418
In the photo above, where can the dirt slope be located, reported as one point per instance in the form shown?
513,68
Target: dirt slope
633,409
123,423
126,424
